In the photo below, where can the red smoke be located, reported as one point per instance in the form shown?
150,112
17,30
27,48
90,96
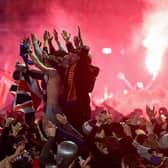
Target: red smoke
117,24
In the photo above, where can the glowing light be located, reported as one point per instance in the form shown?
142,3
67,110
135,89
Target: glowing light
98,101
154,61
106,50
90,94
107,94
121,75
125,91
156,41
140,85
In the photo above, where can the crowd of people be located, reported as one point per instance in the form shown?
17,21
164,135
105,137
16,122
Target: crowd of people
66,135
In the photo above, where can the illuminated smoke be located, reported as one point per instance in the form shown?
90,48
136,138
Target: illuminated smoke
106,50
156,33
110,24
140,85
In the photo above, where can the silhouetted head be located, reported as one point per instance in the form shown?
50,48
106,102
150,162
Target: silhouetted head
66,153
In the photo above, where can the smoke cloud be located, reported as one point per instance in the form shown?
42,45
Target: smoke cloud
155,30
134,29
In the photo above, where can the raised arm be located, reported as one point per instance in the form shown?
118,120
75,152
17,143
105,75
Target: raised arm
36,46
151,113
38,63
57,40
6,163
80,37
47,38
66,36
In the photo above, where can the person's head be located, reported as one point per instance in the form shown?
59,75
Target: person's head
104,117
141,139
73,57
163,113
130,161
76,41
17,75
141,121
21,67
117,130
69,59
163,110
55,58
107,145
66,153
84,50
48,60
19,140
